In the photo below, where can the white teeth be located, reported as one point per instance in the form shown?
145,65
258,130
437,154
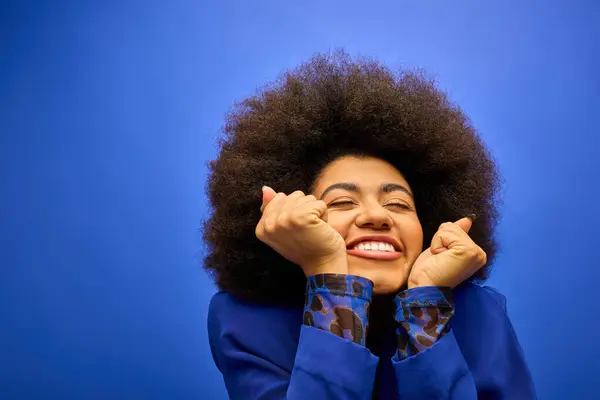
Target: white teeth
374,246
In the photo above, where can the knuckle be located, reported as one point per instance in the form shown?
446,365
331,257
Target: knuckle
482,257
283,221
261,231
298,193
270,226
311,197
463,252
477,254
297,215
473,254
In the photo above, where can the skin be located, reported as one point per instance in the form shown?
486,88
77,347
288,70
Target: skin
369,210
357,197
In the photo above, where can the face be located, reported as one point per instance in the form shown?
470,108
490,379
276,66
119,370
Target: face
371,205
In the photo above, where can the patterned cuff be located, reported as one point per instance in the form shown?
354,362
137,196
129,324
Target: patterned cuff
423,315
339,304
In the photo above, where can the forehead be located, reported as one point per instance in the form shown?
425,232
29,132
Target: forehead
364,171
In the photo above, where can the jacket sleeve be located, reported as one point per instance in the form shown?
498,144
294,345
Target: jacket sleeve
430,364
331,361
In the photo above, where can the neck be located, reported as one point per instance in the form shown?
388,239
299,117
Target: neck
382,327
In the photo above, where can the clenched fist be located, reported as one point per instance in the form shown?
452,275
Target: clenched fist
296,227
452,258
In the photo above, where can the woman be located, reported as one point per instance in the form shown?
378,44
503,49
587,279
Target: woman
358,276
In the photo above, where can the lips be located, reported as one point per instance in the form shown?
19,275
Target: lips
375,238
375,254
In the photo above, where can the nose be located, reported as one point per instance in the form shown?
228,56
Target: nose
374,216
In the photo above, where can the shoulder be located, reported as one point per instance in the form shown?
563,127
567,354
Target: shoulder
229,311
234,324
489,344
481,324
480,317
472,298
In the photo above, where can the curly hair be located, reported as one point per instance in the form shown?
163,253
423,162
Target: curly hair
331,106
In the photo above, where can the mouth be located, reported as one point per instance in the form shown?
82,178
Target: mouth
375,247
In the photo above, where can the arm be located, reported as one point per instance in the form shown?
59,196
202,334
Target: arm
331,361
429,362
502,372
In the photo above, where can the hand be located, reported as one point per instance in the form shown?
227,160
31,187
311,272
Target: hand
296,227
452,258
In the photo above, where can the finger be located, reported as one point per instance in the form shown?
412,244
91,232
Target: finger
287,212
318,209
297,199
437,248
445,238
437,244
465,223
293,200
306,199
268,194
324,211
272,211
314,211
305,204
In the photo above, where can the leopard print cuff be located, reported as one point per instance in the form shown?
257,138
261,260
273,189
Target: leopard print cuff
339,304
423,315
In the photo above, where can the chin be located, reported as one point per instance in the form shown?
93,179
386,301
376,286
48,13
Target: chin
387,277
387,288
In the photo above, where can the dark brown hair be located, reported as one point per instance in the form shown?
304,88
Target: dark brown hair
331,106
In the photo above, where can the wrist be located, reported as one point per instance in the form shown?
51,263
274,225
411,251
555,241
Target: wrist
414,283
334,265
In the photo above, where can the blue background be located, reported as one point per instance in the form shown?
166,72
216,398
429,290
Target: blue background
109,112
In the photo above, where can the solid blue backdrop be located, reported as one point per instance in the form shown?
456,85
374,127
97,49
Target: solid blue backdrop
109,112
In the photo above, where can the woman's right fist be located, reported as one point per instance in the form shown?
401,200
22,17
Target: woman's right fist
296,227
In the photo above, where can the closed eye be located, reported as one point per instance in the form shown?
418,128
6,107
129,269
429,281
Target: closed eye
341,203
399,205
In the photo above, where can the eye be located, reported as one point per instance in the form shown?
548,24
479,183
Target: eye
341,203
401,206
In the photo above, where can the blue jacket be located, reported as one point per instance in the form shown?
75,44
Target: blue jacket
271,352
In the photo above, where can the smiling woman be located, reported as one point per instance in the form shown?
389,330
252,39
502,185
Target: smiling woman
360,274
370,205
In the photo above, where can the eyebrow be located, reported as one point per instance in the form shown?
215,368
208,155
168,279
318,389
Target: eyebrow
351,187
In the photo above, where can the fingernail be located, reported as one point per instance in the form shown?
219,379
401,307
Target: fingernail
472,217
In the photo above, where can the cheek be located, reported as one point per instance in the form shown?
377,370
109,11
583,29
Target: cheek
413,234
340,222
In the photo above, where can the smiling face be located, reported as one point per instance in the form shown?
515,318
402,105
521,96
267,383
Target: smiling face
371,205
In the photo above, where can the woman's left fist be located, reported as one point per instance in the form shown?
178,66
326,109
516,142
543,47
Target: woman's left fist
452,258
